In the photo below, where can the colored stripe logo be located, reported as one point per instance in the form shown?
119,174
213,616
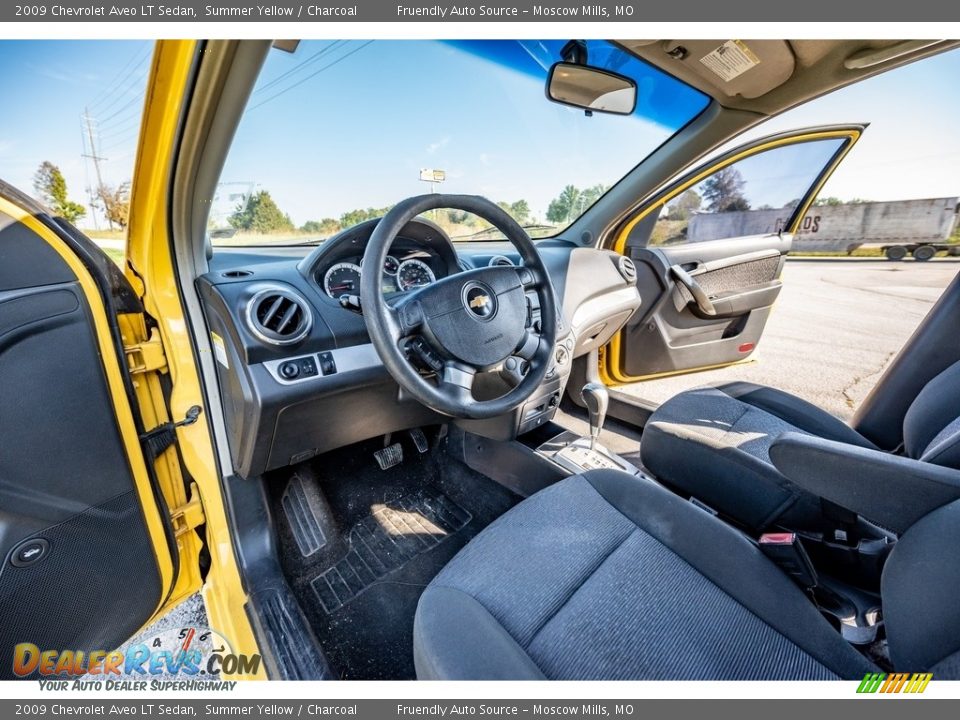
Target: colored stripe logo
895,683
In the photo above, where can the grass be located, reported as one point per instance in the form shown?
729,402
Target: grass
106,234
116,255
859,252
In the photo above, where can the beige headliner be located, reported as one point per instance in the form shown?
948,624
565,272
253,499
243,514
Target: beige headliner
789,71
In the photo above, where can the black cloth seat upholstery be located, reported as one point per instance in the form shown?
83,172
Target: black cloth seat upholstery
713,443
606,576
609,576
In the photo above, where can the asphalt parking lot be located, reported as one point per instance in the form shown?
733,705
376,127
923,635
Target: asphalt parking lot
836,326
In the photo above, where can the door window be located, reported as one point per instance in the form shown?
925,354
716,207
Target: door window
757,195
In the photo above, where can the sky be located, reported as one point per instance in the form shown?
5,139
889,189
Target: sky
339,126
354,126
48,86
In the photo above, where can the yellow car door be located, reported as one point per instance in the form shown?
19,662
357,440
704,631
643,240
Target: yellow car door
93,545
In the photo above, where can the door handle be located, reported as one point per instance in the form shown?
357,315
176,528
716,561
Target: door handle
704,304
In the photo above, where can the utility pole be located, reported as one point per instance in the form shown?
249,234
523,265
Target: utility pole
88,122
91,198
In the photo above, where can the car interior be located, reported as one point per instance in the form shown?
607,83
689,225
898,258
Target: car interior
429,473
427,483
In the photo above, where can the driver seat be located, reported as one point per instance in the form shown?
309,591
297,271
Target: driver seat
607,576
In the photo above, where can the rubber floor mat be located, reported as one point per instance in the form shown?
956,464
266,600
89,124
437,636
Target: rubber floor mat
393,534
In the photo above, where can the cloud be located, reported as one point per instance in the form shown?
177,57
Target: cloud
61,74
438,145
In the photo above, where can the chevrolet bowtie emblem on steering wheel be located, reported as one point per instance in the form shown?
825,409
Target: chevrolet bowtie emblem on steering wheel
479,300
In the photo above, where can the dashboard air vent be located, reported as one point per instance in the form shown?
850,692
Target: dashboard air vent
279,316
500,261
627,269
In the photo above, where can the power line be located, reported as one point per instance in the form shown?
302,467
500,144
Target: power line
134,99
300,66
121,125
120,143
105,93
117,89
135,85
312,75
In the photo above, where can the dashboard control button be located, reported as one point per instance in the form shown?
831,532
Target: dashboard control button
327,364
308,367
290,370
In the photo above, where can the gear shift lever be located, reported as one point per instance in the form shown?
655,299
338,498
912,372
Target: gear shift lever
596,398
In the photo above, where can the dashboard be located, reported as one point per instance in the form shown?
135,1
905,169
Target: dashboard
298,375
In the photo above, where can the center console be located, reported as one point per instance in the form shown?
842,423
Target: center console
578,454
546,453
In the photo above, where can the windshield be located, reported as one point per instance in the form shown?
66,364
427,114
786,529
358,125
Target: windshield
337,132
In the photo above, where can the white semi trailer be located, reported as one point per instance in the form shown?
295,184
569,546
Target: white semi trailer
920,228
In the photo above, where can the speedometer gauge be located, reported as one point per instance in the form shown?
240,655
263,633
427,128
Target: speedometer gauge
414,274
342,279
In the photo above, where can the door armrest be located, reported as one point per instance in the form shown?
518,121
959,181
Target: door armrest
888,489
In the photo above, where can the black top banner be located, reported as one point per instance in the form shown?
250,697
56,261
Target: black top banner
327,11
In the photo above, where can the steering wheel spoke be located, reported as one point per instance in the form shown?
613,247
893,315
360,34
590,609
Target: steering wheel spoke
405,318
527,349
530,278
457,380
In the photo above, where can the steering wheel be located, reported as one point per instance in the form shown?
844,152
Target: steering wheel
462,324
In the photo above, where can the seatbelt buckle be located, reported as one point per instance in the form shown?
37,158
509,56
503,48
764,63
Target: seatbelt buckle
786,550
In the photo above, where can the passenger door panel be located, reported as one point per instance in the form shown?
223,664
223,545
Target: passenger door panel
709,251
741,278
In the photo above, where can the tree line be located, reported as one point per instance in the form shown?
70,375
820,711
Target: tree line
261,214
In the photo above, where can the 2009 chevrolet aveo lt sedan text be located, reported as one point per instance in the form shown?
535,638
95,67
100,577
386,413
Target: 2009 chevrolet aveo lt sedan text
365,442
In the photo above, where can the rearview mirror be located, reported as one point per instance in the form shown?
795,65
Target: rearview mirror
591,88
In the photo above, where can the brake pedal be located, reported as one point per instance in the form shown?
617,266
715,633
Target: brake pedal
420,440
389,456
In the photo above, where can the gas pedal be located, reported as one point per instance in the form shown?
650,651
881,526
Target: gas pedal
420,440
389,456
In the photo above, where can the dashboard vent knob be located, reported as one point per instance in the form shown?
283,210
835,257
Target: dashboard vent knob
279,316
500,261
627,269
